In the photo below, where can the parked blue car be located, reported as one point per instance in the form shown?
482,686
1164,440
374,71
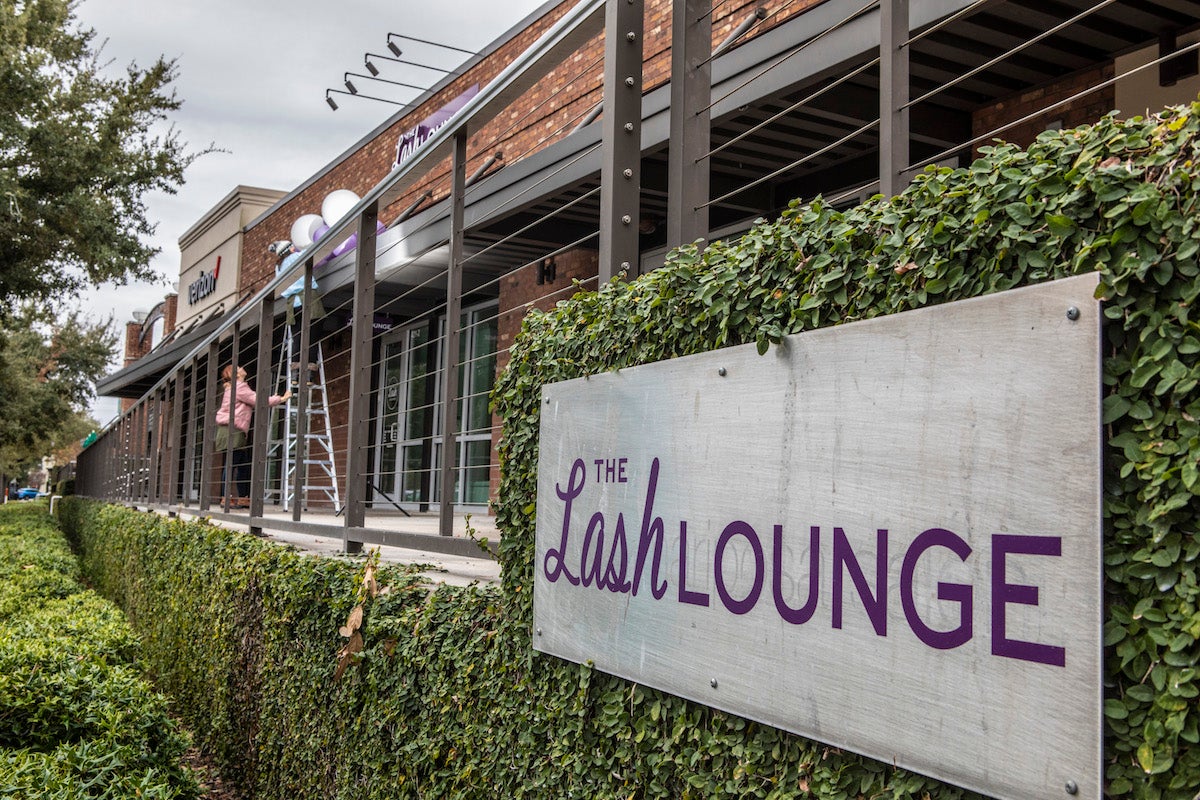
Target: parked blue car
29,493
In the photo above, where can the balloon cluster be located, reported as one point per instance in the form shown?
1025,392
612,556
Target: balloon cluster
308,229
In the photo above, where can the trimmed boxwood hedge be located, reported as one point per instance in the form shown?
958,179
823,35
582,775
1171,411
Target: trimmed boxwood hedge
77,718
446,698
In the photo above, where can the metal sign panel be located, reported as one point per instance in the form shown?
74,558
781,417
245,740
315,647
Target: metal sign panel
885,536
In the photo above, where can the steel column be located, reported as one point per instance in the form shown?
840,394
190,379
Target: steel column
448,467
358,432
262,414
235,351
621,167
153,440
207,445
300,457
189,454
691,95
176,438
893,96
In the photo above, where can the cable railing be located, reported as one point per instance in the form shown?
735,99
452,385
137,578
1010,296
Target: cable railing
408,422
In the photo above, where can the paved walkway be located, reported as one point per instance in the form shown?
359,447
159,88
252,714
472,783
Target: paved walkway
453,570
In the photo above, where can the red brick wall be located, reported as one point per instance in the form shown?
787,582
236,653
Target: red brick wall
520,292
170,313
135,348
1085,109
540,117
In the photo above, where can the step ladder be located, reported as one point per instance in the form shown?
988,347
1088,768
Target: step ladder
320,470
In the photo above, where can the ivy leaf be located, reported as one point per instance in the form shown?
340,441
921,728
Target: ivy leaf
1145,757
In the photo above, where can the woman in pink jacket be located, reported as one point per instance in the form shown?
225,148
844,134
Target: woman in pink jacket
242,399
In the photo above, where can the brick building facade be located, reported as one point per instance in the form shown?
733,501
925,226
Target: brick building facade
786,50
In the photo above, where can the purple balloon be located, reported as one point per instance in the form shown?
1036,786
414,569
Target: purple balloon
347,245
320,231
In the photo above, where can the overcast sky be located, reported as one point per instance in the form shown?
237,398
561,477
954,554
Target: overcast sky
252,77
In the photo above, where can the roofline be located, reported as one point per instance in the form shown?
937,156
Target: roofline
410,107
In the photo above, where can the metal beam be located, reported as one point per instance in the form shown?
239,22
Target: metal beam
360,379
209,426
448,468
300,454
262,412
893,96
620,170
691,97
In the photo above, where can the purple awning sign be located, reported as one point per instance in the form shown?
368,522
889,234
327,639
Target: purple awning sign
414,137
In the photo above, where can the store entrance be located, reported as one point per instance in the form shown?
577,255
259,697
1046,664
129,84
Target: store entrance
409,435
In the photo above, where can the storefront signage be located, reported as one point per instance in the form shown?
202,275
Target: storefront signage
205,285
414,137
884,536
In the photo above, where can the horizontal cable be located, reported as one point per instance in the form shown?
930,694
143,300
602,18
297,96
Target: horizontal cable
1002,56
1039,112
957,15
799,48
793,165
798,104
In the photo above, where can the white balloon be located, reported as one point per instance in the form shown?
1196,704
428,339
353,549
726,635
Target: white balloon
302,230
337,204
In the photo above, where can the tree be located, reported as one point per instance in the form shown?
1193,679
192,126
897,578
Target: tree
48,367
78,152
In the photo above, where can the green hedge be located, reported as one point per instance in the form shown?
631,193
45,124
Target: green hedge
447,698
77,719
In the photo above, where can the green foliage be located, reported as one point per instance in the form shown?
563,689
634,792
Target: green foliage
48,368
446,699
1119,197
78,152
77,720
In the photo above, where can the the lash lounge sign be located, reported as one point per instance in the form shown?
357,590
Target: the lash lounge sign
416,136
885,536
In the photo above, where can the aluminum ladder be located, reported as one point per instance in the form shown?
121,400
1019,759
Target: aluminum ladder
321,471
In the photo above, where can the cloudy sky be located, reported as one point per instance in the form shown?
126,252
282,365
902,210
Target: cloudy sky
253,75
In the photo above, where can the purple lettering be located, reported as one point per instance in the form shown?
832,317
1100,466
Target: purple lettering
739,528
652,533
590,559
553,565
1004,593
804,613
954,592
614,574
686,596
844,558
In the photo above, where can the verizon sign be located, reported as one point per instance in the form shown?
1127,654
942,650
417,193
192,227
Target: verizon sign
204,285
885,536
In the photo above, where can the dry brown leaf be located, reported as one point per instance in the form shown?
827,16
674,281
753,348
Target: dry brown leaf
369,580
903,268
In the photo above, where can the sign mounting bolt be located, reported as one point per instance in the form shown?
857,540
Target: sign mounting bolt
721,371
713,683
1072,313
1072,787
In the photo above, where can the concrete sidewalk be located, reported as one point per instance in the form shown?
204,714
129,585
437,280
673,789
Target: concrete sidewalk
453,570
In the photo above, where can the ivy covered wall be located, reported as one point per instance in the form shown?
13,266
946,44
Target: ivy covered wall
441,694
